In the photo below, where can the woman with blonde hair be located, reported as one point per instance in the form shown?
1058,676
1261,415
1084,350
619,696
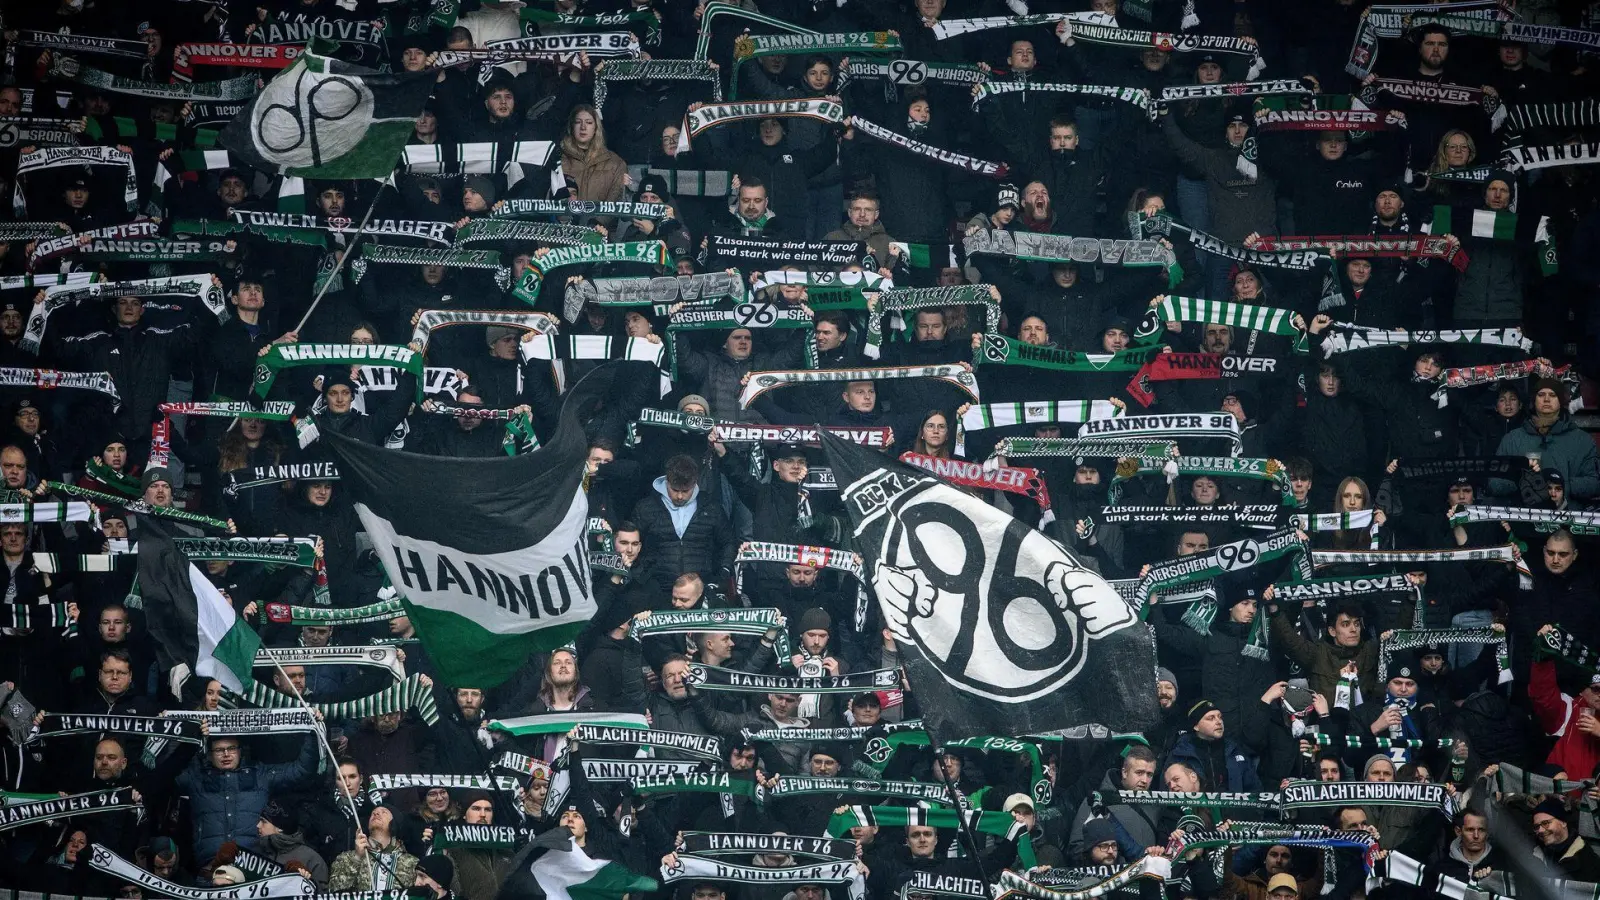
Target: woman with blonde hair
594,172
1457,150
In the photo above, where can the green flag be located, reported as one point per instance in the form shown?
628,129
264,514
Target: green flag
325,118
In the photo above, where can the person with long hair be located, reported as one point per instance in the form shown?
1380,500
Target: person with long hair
1456,150
593,172
1352,496
933,436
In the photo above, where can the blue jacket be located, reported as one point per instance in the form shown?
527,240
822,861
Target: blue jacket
225,806
1239,770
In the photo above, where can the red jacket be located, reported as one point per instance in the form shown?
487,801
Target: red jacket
1575,752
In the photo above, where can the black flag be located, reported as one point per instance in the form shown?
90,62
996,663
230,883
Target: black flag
1004,631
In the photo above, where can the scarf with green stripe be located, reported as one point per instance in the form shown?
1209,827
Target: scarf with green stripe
1000,350
556,234
1582,522
1422,637
755,622
849,43
290,194
996,824
33,812
1498,225
1137,97
659,292
894,303
517,207
1559,643
796,554
476,158
430,320
1260,469
648,18
654,70
910,72
1239,315
806,786
752,314
983,416
1372,742
135,506
882,749
645,252
1144,453
700,783
410,694
716,678
1218,561
381,611
284,356
34,615
761,382
298,552
23,232
1510,779
1295,260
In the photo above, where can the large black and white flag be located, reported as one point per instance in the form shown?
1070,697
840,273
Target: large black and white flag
1004,631
488,555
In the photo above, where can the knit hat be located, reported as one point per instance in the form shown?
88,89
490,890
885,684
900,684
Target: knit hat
1098,831
1165,675
153,475
1403,664
439,868
1374,759
652,184
1199,710
283,818
1552,806
1553,384
693,398
483,185
815,619
334,376
494,333
1006,195
1551,476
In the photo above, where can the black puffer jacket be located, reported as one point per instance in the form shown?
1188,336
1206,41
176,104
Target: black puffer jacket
140,360
706,546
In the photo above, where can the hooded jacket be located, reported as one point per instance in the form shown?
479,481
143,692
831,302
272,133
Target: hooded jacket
1563,447
226,804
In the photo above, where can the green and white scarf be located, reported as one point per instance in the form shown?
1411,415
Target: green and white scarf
851,734
700,783
1342,337
564,722
429,320
452,835
754,622
1179,93
281,887
298,552
135,506
653,70
626,771
710,843
808,786
999,350
16,815
382,611
645,252
1322,589
386,658
1218,561
1412,639
896,302
1294,260
997,824
627,209
1324,523
1370,742
22,232
1151,454
1239,315
1095,33
44,511
411,693
67,42
504,230
716,678
693,182
849,43
950,28
1268,800
34,615
750,314
1510,779
1564,645
1577,521
380,785
761,382
1260,469
284,356
45,250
